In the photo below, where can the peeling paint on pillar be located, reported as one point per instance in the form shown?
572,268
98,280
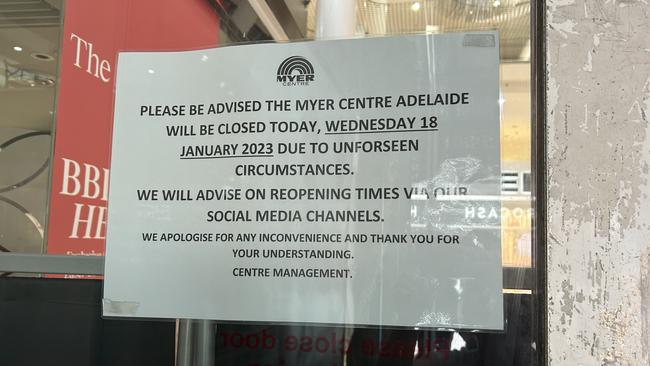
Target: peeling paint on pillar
598,101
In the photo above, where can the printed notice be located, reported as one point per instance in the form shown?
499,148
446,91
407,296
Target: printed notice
333,182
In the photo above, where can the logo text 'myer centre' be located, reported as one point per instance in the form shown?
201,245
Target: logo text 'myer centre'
295,70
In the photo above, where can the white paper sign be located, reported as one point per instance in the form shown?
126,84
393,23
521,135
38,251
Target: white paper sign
332,182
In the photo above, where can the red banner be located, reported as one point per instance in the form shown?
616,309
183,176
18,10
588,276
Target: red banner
94,32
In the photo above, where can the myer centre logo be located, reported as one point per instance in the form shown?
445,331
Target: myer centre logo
294,71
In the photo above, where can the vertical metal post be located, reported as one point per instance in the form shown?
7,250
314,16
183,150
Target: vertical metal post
184,352
205,346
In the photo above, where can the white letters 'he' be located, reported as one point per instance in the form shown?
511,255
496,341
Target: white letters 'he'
93,63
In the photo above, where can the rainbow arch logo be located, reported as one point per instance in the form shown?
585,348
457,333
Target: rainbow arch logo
295,70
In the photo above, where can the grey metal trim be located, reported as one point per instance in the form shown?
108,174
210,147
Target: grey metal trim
54,264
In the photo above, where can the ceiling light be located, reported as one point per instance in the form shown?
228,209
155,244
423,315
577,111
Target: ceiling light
496,3
42,56
18,48
151,71
416,6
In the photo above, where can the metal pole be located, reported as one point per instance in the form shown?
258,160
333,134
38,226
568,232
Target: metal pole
184,352
205,346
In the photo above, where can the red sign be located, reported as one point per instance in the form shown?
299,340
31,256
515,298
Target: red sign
94,32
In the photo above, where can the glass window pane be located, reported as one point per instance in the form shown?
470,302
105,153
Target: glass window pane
31,51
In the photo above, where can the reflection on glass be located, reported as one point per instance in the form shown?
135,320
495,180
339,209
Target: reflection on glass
394,17
387,346
29,41
28,47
